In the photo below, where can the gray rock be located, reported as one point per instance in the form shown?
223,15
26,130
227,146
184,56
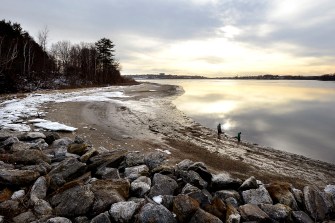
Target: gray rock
193,178
328,201
73,202
232,201
250,183
134,159
2,219
101,218
162,185
81,219
330,189
108,159
50,137
280,192
8,166
279,212
203,197
59,220
10,208
225,194
78,149
39,189
32,135
79,139
17,177
314,203
224,181
63,142
43,168
66,171
135,172
20,146
25,157
25,217
155,213
233,216
184,164
257,196
108,192
184,207
154,159
17,195
8,142
42,208
107,173
88,154
201,169
299,197
140,187
251,212
301,217
122,212
189,188
203,216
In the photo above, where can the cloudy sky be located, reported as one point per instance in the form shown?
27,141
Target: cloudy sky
202,37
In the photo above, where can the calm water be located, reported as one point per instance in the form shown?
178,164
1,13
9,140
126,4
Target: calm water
294,116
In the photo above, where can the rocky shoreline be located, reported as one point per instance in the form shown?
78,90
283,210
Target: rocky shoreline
46,178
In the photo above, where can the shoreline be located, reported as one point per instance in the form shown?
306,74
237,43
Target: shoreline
146,120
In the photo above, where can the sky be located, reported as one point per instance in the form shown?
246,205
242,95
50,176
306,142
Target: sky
193,37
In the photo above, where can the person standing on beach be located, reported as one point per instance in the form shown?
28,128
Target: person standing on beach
219,130
238,137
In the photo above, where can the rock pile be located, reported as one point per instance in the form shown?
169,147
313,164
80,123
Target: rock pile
45,178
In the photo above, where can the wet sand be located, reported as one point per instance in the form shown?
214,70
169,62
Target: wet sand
147,120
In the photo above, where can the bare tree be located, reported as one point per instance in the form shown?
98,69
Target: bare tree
43,37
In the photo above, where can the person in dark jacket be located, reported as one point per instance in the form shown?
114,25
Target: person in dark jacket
219,131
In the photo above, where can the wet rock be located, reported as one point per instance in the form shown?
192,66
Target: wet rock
189,188
140,187
73,202
162,185
184,164
224,194
42,208
257,196
31,136
66,171
250,183
154,159
108,192
135,172
10,208
217,208
184,207
278,212
107,173
203,216
63,142
123,211
88,154
224,181
43,168
59,220
17,177
25,217
101,218
251,212
78,149
39,189
314,203
193,178
134,159
281,193
301,217
25,157
108,159
17,195
155,213
50,137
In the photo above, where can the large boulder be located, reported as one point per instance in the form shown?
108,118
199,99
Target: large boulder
154,159
123,211
217,208
39,189
203,216
189,188
225,194
184,164
135,172
314,203
151,213
101,218
278,212
10,208
257,196
250,183
63,142
224,181
201,169
78,149
24,217
73,202
134,159
281,193
108,159
108,192
141,186
26,157
43,168
50,137
251,212
193,178
42,208
31,136
104,172
184,207
301,217
17,177
66,171
162,185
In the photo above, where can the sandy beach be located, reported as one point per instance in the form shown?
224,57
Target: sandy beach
146,120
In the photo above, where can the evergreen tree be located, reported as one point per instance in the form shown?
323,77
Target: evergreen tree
105,50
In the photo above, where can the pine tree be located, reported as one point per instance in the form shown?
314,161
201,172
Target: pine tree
105,50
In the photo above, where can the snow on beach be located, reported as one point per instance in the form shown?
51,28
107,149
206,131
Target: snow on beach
15,112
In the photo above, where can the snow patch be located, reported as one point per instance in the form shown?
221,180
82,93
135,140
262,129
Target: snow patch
54,126
164,151
158,199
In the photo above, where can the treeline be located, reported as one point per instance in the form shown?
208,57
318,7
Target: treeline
26,65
